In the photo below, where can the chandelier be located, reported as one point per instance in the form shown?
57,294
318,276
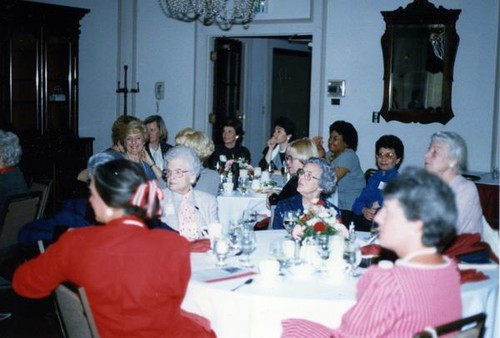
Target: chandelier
225,13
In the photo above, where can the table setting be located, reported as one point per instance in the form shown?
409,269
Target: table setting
277,278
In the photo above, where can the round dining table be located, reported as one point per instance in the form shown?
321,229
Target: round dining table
257,309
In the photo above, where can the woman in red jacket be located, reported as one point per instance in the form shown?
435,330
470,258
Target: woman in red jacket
135,277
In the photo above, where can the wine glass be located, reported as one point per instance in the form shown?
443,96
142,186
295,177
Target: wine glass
247,243
221,250
323,248
243,185
277,251
352,255
289,223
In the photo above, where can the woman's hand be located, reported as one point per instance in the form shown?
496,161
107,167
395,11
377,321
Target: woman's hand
271,143
318,141
298,232
369,213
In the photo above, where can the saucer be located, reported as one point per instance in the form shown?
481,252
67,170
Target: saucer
268,282
302,271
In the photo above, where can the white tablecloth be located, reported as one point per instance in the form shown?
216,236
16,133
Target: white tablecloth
231,207
256,310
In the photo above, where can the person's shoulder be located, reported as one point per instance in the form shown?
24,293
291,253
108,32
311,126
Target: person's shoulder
202,195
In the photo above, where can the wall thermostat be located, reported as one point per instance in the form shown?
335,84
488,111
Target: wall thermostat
336,88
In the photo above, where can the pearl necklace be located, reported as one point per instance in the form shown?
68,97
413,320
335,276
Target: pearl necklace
418,253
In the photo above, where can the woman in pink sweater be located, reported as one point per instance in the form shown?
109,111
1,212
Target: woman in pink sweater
420,289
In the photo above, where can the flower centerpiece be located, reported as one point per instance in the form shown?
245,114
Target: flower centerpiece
242,164
319,219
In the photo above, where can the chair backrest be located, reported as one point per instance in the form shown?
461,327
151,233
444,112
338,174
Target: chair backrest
75,315
369,173
44,186
469,327
21,209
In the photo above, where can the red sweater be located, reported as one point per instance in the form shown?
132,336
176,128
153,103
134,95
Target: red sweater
395,301
135,278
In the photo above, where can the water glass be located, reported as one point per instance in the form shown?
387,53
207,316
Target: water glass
247,243
221,250
289,223
323,248
352,255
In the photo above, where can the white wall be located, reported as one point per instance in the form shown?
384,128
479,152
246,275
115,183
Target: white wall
346,46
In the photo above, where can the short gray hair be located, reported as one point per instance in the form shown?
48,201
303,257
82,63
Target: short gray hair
328,179
424,196
10,149
187,154
456,145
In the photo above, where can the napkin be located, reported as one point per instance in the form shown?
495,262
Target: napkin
469,246
371,249
471,275
201,245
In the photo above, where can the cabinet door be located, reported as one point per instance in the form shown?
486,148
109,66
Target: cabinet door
59,81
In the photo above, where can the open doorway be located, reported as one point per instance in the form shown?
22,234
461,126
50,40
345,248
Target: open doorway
268,77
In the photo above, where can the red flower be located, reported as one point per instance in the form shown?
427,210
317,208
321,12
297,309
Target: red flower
319,227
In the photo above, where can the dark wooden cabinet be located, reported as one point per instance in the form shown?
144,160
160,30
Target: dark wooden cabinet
39,90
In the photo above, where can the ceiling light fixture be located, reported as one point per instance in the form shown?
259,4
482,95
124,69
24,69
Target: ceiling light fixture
225,13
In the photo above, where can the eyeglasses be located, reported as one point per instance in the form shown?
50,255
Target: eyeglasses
177,173
386,156
307,174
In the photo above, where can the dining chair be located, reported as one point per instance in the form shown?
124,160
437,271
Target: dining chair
469,327
44,186
21,209
74,313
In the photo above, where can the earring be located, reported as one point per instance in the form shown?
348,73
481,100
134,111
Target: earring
109,212
237,136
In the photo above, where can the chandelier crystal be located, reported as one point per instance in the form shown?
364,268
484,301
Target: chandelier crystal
225,13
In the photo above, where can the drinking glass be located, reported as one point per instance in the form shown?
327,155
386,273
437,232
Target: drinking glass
221,250
247,243
277,251
243,185
289,223
323,248
352,255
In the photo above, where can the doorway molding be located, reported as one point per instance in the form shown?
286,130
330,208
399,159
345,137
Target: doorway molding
203,81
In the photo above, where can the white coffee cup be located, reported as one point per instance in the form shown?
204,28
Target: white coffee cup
265,177
257,172
269,269
255,184
228,187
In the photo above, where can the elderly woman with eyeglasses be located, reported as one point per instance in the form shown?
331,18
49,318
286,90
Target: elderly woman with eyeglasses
297,153
389,153
184,209
316,180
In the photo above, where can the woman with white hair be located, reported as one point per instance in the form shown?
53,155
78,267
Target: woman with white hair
11,178
447,158
185,209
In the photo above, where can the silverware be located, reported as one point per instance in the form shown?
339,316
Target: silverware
248,281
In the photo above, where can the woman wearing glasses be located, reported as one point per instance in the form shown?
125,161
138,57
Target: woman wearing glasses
297,153
185,209
316,181
389,153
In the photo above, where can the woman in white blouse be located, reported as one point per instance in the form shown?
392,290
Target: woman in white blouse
185,209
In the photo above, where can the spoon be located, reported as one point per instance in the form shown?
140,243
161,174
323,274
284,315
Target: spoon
248,281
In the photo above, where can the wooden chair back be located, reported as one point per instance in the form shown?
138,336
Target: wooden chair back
44,186
21,209
469,327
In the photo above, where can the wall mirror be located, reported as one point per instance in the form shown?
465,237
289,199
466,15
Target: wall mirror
419,48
